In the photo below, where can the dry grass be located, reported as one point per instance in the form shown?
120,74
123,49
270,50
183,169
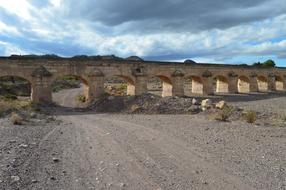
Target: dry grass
81,98
13,105
251,116
224,114
16,119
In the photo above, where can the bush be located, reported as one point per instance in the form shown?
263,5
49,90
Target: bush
225,113
135,108
16,119
81,98
251,116
10,97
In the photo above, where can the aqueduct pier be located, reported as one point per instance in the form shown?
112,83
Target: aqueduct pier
205,79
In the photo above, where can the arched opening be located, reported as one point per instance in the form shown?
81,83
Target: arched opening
279,83
220,84
119,86
70,91
160,85
243,84
15,88
193,85
262,83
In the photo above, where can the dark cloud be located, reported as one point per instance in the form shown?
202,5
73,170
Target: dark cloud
175,15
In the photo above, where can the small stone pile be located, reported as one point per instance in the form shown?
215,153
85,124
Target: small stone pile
153,104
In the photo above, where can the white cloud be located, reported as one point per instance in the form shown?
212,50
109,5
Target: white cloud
51,24
21,8
9,49
5,29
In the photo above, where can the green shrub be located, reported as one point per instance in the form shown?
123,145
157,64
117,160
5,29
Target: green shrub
81,98
224,114
251,116
10,97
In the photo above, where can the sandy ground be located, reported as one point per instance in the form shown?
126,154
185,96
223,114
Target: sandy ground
115,151
68,98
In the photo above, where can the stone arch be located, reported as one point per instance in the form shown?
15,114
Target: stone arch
262,82
221,84
79,87
243,84
160,85
16,85
119,85
193,85
279,83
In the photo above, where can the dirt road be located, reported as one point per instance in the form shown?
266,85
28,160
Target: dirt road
149,152
100,151
69,97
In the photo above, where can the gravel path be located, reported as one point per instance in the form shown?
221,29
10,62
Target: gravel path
85,151
149,152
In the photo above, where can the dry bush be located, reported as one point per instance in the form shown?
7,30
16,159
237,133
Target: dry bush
81,98
16,119
7,106
134,108
250,116
224,114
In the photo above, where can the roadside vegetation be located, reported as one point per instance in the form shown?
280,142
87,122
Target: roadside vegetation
66,82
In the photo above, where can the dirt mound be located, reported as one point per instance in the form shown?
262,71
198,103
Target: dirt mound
145,104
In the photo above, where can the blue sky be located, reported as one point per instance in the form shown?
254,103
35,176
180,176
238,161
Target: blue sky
221,31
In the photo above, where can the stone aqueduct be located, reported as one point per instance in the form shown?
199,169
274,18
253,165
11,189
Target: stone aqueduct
42,72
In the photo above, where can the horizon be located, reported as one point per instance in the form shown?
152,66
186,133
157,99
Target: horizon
226,32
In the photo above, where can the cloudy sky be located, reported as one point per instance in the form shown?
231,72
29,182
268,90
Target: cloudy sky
222,31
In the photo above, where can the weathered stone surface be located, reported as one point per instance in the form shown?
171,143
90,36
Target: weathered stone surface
41,71
221,105
207,103
195,101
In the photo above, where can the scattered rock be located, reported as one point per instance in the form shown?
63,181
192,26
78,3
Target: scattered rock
15,179
23,146
207,103
33,115
220,105
195,101
122,184
56,160
111,98
12,141
16,119
194,109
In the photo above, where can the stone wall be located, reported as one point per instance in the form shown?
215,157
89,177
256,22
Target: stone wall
177,79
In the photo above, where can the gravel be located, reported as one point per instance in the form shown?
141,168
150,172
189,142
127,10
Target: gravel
87,150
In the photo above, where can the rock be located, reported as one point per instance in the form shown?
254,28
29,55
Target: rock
16,119
220,105
33,115
23,146
195,101
12,141
194,109
207,103
56,160
111,98
15,179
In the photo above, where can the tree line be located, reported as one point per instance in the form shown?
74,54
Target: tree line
268,63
